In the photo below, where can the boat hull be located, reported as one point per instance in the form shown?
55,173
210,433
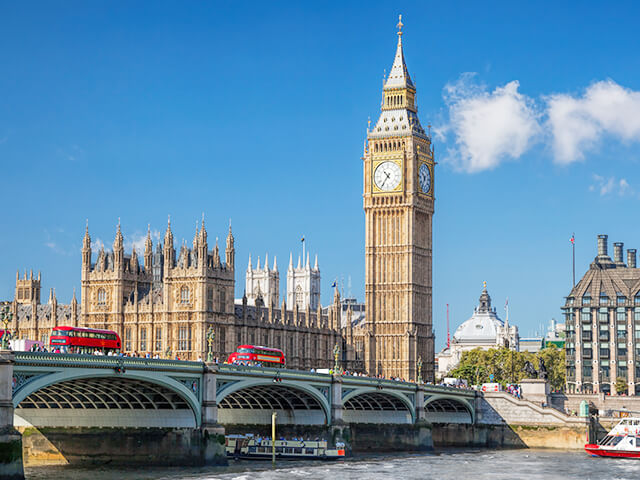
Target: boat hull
264,456
597,450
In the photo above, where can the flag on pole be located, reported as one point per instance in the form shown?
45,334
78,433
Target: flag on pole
573,239
506,304
333,285
302,239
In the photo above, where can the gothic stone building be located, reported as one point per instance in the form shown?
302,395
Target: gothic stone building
602,314
165,304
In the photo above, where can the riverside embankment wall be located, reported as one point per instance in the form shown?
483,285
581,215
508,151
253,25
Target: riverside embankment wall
534,425
124,446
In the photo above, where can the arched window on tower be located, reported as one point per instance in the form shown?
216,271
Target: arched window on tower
299,297
102,297
184,295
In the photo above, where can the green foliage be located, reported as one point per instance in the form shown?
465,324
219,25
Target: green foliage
621,385
507,366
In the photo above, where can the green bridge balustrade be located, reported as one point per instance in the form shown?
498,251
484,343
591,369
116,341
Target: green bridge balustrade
65,390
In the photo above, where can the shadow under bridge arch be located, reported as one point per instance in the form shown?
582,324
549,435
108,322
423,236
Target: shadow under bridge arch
248,402
446,409
375,406
105,400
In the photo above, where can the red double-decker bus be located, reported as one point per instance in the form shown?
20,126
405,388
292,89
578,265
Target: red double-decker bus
84,340
252,354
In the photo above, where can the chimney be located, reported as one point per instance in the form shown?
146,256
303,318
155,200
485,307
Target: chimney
602,245
631,258
618,247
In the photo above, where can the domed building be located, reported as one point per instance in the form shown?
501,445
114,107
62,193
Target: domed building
483,330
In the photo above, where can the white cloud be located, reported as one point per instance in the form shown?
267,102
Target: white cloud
97,244
577,124
137,240
605,186
489,127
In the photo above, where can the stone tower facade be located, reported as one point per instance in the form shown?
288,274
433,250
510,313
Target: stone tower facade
263,283
27,288
399,205
196,287
303,284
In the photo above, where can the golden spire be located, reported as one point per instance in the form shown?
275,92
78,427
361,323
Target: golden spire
400,25
485,285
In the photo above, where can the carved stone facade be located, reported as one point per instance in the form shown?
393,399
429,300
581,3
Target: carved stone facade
303,284
168,312
399,205
262,283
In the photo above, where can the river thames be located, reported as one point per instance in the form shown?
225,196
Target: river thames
444,465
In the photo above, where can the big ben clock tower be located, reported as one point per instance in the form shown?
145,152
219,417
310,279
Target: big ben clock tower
399,206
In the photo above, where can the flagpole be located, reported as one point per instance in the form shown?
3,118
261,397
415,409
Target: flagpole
448,337
573,248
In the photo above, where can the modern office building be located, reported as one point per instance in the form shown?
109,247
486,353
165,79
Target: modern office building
602,314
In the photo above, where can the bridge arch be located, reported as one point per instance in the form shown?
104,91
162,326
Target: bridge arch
448,409
104,398
252,402
371,405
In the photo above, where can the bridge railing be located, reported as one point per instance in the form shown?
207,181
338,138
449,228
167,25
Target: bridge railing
104,361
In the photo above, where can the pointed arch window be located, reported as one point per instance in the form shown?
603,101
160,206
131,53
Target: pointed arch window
102,297
184,294
299,297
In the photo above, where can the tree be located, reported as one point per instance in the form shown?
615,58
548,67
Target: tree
507,366
621,385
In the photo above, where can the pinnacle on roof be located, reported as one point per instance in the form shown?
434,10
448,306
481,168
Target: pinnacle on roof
168,235
399,75
119,240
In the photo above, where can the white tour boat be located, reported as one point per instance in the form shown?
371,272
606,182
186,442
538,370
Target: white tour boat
622,441
253,447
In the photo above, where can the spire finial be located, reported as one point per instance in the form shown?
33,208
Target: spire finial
400,25
484,284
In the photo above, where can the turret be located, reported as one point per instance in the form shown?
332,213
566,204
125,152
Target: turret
118,250
169,251
148,252
203,247
86,251
230,252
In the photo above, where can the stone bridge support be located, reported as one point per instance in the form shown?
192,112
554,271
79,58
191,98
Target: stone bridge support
336,400
212,431
10,440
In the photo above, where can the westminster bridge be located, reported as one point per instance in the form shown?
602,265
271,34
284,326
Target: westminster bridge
64,390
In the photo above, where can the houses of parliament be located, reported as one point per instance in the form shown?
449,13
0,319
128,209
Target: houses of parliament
164,302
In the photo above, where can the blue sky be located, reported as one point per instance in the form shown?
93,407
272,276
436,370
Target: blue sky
256,111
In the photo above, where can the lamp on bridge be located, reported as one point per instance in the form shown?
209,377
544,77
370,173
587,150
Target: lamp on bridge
419,365
336,364
211,335
6,335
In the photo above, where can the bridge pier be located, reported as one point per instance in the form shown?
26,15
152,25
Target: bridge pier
10,440
419,408
212,432
336,401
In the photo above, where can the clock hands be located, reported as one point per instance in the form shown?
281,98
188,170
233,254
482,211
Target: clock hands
385,180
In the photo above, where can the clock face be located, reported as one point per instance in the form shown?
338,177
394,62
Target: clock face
387,176
424,177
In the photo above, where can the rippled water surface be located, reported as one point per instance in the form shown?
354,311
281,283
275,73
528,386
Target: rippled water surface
447,465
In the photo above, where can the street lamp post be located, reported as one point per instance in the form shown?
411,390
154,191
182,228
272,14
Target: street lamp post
336,354
419,369
211,335
6,335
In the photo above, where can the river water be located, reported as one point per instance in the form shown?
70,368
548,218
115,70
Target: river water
444,465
